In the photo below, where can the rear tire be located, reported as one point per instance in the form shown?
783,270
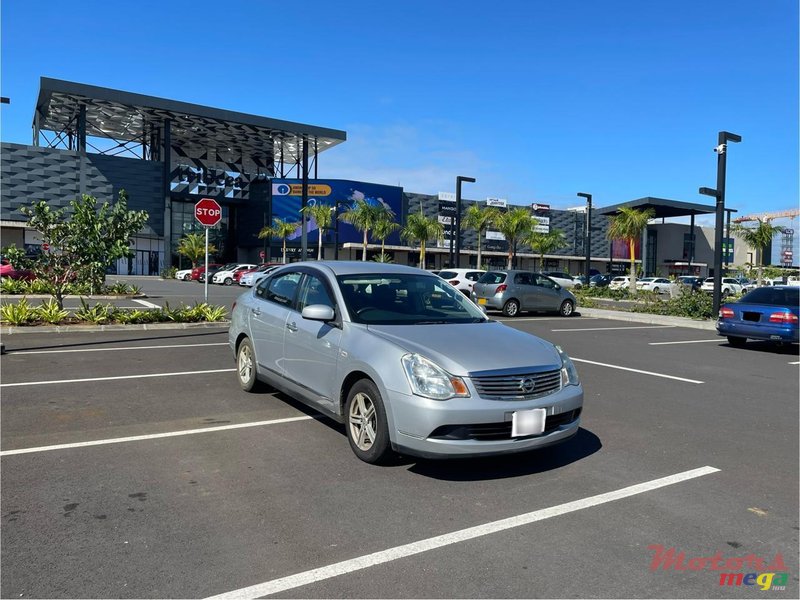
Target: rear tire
366,424
736,342
567,308
246,366
511,308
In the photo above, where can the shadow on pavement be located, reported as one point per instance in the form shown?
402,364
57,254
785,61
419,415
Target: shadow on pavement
583,444
116,340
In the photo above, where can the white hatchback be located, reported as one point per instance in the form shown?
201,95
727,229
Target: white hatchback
461,279
183,274
619,283
226,277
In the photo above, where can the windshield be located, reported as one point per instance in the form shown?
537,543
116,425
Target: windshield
405,299
773,296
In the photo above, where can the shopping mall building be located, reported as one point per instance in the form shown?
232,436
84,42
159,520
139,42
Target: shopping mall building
168,154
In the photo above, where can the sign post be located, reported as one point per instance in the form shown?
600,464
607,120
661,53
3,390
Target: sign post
208,213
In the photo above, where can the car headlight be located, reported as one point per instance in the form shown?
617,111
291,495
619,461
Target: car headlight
429,380
569,374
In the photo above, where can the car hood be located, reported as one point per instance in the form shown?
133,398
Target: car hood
463,348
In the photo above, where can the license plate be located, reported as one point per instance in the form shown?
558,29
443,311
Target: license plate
481,300
528,422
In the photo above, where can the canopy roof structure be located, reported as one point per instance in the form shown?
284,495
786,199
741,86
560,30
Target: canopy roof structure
664,209
195,128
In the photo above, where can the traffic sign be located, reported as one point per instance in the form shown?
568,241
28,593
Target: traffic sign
208,212
45,246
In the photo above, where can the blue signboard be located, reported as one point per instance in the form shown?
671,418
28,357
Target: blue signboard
340,194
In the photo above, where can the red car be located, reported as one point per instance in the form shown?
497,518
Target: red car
195,276
237,276
7,270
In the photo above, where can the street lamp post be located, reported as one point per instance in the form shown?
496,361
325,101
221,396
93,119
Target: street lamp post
456,223
722,145
588,235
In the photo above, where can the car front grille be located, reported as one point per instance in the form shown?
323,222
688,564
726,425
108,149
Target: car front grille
518,387
498,431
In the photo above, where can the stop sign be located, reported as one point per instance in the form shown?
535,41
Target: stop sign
208,212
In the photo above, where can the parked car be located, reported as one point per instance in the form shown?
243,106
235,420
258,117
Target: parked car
695,283
184,274
8,270
225,275
730,286
462,279
250,278
563,279
618,283
400,358
213,271
765,313
600,280
518,291
654,284
195,276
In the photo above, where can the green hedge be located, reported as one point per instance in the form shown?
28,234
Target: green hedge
23,313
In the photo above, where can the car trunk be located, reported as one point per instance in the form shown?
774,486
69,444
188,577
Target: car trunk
486,286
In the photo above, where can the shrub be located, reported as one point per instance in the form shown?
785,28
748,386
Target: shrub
169,272
20,313
11,286
50,312
97,314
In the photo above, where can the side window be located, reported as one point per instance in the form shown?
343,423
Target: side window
280,289
523,279
545,282
313,291
474,275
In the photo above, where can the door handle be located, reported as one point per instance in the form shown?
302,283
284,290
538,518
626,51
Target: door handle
291,326
255,311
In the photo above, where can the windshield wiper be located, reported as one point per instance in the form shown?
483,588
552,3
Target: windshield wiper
431,323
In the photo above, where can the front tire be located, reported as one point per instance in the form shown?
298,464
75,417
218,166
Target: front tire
246,366
511,308
737,342
228,281
567,308
366,424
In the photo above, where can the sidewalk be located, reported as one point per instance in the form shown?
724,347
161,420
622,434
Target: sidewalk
618,315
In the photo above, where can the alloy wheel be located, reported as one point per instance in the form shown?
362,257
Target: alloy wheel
362,421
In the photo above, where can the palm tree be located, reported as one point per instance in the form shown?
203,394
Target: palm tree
420,228
322,214
384,227
545,243
627,225
281,229
479,218
514,224
758,238
363,217
193,247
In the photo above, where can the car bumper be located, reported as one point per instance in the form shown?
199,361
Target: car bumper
763,331
421,426
494,302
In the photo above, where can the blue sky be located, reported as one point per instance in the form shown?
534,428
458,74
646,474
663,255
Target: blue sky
536,99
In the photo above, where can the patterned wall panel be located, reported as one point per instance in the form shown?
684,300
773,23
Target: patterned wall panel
33,173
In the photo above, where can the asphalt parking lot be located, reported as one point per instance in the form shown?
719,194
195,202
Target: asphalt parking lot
133,466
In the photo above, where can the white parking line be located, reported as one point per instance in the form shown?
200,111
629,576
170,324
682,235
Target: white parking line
599,364
146,304
795,363
152,436
377,558
616,328
718,340
512,319
113,349
23,383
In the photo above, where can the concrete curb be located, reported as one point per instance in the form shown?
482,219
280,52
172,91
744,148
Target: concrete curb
98,328
707,324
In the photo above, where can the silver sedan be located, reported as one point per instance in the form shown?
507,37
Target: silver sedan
404,360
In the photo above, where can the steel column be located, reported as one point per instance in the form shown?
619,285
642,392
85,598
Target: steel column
304,202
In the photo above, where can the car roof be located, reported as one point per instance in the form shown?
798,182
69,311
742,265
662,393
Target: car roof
359,267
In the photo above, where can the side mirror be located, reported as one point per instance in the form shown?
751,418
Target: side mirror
318,312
